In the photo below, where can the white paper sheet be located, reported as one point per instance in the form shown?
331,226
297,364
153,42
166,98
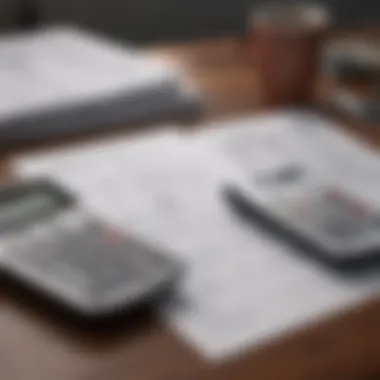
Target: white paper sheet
301,137
241,287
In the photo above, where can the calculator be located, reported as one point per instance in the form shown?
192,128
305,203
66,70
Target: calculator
53,245
325,220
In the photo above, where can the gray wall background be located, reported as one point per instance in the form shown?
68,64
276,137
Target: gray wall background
164,20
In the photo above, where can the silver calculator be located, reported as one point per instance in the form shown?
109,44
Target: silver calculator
328,221
55,246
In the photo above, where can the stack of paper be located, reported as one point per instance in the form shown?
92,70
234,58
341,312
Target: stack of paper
242,287
61,80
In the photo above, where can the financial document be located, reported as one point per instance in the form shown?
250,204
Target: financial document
241,287
255,145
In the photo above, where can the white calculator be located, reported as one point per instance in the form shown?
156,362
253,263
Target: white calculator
53,245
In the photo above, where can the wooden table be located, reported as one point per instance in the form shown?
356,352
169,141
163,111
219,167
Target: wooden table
37,345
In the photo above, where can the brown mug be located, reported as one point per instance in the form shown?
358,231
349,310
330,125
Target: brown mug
287,40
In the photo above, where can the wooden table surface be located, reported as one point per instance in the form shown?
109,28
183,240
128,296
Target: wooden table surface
38,345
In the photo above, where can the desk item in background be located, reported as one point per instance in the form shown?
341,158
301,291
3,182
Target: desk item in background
352,61
286,40
362,105
55,247
62,80
241,287
354,67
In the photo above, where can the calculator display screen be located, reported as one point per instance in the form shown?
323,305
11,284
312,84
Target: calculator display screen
26,207
25,204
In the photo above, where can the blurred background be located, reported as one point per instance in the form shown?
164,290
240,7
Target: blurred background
146,21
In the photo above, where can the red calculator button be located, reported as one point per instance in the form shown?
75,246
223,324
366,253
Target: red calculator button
113,236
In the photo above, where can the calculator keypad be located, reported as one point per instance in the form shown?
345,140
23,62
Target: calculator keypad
85,257
335,214
70,220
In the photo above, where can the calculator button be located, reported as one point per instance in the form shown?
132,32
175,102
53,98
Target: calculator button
19,245
40,232
5,245
69,276
72,220
112,235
